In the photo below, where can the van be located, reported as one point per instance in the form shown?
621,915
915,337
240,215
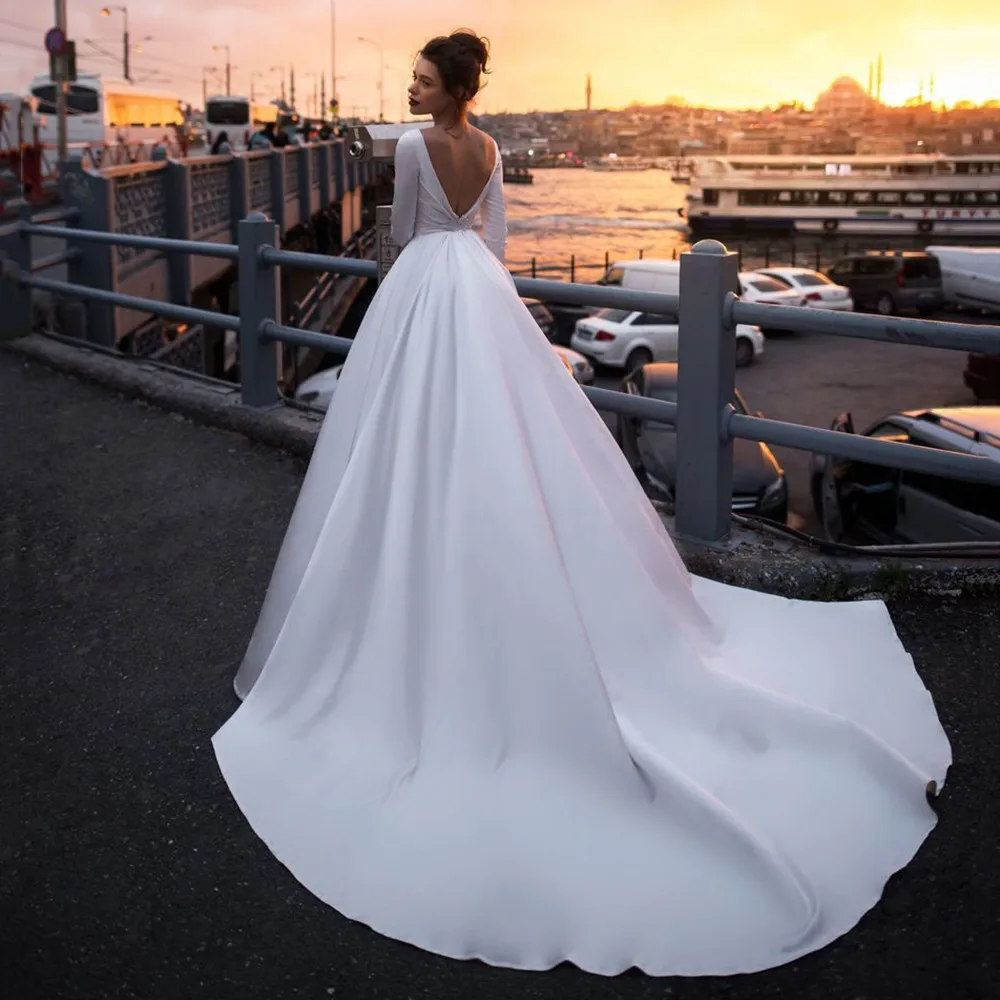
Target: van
645,276
891,281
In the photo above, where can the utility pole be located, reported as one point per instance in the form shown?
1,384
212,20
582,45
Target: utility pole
61,87
322,97
333,54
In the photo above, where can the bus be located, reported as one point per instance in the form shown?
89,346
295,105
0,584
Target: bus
102,111
237,118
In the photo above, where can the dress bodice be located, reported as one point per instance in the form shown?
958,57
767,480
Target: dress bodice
420,206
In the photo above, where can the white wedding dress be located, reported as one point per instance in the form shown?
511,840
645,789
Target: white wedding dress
487,710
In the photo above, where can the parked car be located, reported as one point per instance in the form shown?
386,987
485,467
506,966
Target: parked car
889,282
816,289
874,503
762,289
759,484
542,315
648,275
982,376
622,338
582,369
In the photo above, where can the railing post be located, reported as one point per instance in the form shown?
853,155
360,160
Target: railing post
706,379
15,298
259,300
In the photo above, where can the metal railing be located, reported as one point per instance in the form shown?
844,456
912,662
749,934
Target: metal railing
706,422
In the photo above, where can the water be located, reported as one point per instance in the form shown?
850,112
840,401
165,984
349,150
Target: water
592,214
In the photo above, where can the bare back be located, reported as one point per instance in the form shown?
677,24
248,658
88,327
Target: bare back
463,166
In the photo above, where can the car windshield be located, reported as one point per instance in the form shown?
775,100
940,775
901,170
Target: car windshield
812,278
767,285
613,315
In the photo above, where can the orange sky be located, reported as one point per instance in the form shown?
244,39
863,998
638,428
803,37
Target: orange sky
725,53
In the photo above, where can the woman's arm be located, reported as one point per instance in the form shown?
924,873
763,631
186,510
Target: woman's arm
407,182
494,213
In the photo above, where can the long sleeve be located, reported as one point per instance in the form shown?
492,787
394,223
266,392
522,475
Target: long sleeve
494,214
406,188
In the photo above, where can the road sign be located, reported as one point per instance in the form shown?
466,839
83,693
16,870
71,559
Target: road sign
55,41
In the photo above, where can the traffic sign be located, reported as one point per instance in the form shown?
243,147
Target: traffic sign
55,41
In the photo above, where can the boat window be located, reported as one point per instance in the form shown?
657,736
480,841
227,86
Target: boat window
861,197
914,198
988,197
655,319
942,197
887,197
710,196
968,198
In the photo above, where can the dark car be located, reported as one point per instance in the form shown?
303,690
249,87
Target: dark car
542,316
759,485
889,282
868,502
982,376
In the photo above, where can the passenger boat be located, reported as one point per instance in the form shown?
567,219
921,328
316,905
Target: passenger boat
855,195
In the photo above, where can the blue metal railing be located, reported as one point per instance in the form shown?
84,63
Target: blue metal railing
705,421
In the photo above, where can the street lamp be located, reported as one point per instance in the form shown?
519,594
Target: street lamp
381,76
220,48
106,12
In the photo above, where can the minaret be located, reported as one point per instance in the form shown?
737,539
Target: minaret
589,91
878,80
291,90
871,77
930,96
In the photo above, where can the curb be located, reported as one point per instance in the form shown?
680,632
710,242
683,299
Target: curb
749,558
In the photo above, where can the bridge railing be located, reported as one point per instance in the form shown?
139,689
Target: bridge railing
706,422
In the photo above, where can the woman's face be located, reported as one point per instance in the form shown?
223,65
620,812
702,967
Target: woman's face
427,95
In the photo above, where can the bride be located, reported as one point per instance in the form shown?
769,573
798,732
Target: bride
487,711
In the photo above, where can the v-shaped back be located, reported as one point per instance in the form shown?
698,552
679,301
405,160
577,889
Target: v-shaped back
446,201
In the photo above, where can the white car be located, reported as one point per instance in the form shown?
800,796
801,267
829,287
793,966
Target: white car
621,338
318,389
761,289
818,290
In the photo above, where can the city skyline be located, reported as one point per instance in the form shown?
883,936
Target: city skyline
639,51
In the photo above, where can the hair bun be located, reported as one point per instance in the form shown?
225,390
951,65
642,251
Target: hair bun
478,48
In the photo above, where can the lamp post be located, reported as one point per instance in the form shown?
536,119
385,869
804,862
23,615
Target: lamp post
106,12
219,48
381,76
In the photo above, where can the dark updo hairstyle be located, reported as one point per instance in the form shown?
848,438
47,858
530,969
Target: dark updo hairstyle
461,59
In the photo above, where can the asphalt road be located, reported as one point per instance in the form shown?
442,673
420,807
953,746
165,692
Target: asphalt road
136,548
811,378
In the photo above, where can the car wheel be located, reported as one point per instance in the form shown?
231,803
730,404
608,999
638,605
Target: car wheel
744,352
884,304
637,359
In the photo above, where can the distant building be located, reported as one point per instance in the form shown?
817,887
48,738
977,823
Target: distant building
845,99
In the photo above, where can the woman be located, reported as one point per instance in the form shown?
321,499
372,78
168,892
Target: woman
488,712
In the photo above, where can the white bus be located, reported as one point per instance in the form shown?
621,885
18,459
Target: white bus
106,112
236,118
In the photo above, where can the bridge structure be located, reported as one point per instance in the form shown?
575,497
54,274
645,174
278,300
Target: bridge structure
124,254
318,197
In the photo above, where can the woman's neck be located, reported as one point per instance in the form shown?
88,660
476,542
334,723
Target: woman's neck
452,122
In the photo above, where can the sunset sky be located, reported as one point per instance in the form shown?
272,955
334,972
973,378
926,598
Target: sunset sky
726,53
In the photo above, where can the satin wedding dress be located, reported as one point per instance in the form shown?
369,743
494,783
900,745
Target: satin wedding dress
488,712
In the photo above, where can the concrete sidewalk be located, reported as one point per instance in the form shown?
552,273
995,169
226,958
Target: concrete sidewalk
136,549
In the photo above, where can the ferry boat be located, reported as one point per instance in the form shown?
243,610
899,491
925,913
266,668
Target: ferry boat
855,195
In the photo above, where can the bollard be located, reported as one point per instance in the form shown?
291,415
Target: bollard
15,260
572,268
259,300
706,380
